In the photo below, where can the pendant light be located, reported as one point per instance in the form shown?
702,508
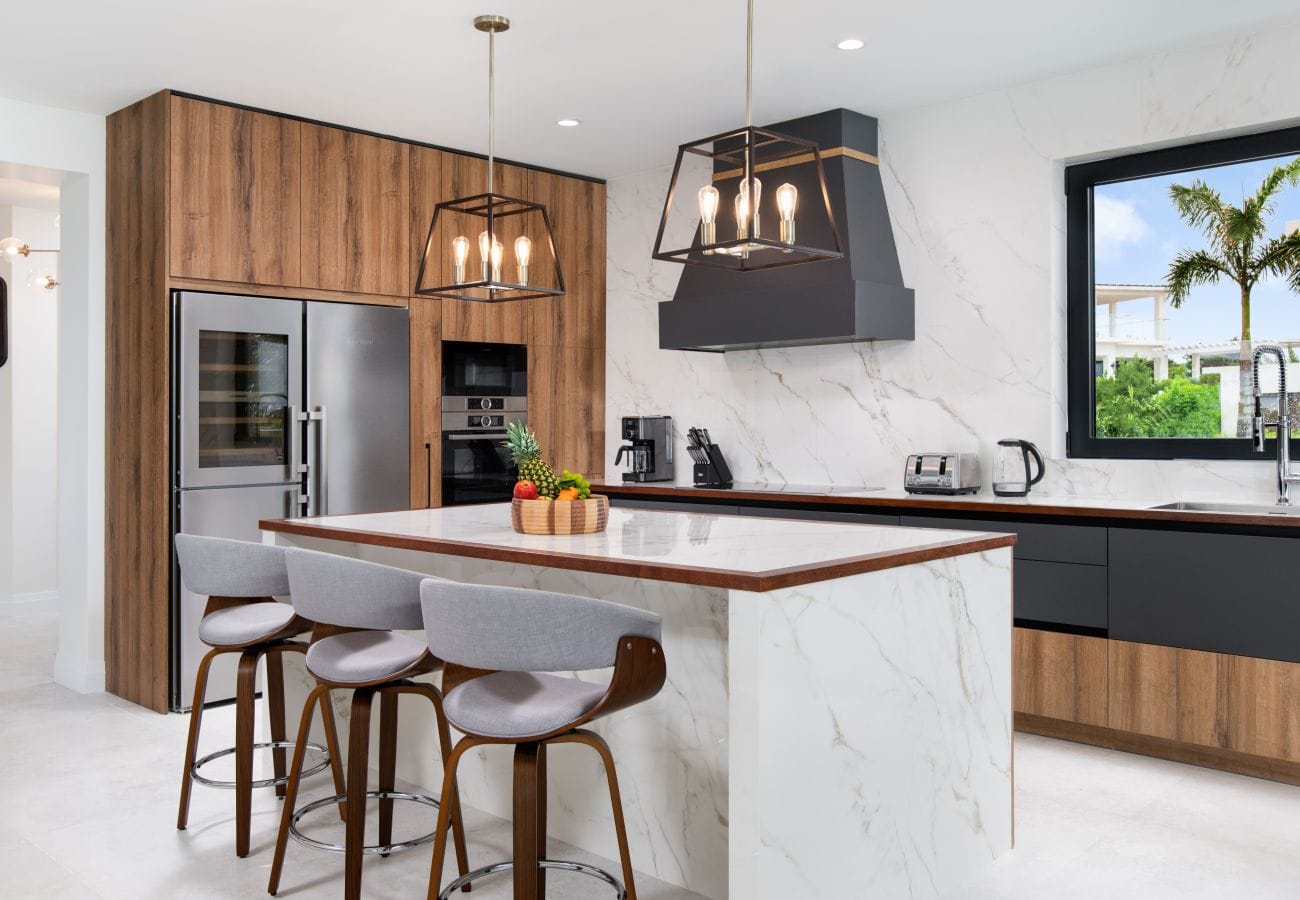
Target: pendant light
731,186
489,247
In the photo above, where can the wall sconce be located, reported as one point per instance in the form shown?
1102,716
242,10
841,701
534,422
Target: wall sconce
11,248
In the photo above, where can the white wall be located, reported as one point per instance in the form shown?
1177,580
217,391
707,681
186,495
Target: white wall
34,358
72,144
6,450
975,189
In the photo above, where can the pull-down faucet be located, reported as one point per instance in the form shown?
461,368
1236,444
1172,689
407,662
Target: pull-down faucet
1285,478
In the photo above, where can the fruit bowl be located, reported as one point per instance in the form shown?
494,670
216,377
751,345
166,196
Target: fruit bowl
560,516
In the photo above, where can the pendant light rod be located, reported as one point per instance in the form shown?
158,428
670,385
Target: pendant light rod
493,25
749,68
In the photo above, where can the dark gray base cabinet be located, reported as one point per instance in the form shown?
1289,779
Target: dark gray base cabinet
1225,593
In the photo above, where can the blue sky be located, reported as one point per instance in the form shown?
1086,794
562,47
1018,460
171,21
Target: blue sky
1138,233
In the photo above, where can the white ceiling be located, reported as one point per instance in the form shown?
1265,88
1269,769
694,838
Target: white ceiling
642,76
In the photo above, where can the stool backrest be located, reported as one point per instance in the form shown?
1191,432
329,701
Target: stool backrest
352,593
521,630
218,567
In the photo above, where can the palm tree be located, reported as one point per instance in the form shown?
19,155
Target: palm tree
1239,250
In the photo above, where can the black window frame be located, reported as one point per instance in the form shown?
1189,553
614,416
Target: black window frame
1080,179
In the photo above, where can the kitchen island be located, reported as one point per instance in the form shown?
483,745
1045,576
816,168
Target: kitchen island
837,716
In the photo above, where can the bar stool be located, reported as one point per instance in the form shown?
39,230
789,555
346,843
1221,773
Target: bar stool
241,581
500,646
355,605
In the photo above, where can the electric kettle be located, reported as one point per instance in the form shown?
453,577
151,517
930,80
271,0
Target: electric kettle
1012,476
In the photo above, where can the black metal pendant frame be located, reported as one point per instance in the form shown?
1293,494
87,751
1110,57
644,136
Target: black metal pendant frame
490,207
754,151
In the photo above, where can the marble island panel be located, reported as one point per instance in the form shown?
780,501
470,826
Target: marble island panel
844,735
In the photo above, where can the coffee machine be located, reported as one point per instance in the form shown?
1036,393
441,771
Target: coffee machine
648,443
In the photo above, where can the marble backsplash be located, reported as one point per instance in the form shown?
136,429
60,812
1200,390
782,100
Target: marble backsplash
975,195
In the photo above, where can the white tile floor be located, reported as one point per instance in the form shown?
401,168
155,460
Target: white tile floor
89,788
89,783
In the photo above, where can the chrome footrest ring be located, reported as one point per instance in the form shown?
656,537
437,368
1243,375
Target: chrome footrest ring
563,865
264,782
379,849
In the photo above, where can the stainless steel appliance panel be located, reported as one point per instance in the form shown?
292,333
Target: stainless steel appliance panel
231,512
239,385
358,398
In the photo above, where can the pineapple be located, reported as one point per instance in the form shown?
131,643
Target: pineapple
527,454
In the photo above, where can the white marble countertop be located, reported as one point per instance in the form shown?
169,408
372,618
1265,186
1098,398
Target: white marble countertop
1143,508
749,553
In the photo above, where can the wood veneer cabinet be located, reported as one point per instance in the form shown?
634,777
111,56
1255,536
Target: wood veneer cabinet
1060,676
355,211
426,402
208,196
1235,713
235,204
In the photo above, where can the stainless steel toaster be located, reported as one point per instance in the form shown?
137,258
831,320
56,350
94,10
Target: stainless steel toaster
942,473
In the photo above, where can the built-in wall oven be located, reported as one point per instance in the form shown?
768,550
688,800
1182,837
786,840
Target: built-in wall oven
485,389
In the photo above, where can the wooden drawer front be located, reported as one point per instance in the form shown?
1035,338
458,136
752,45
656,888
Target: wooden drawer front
1223,593
1180,695
1060,676
817,515
1263,707
1061,593
1049,543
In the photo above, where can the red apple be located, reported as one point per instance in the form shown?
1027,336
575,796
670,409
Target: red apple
525,490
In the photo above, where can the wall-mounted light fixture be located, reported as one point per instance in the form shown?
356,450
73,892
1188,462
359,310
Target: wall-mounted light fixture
11,248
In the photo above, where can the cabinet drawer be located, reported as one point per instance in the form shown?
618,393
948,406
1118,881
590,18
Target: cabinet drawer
1226,593
1061,593
819,515
1049,543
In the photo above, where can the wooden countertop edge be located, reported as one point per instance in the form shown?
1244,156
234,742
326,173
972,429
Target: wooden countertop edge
954,505
757,582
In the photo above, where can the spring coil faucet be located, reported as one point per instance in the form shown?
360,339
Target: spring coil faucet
1285,478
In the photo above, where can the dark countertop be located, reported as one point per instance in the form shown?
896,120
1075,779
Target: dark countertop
866,499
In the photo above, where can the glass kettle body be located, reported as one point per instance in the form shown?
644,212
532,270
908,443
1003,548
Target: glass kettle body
1013,474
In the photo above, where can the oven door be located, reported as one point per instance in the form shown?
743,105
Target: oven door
476,468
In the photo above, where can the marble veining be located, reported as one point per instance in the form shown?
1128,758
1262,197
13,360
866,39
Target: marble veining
974,188
858,718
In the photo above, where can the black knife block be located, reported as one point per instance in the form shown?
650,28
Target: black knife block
715,474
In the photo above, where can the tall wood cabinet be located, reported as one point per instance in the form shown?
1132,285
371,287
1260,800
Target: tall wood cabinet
204,195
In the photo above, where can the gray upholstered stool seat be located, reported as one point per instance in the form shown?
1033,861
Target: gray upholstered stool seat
499,646
359,657
247,624
241,580
520,704
362,607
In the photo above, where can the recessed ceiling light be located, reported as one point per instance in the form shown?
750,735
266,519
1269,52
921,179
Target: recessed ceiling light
568,123
851,44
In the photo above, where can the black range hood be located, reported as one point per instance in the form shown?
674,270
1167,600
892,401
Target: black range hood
859,297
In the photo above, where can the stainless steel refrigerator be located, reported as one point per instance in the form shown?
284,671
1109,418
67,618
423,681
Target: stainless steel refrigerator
281,408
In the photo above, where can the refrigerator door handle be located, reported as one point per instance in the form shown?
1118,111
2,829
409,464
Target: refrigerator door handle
322,459
298,467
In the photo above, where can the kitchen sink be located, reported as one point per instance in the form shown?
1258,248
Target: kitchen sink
1241,509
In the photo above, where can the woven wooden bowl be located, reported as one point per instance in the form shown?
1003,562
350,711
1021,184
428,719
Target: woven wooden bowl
560,516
